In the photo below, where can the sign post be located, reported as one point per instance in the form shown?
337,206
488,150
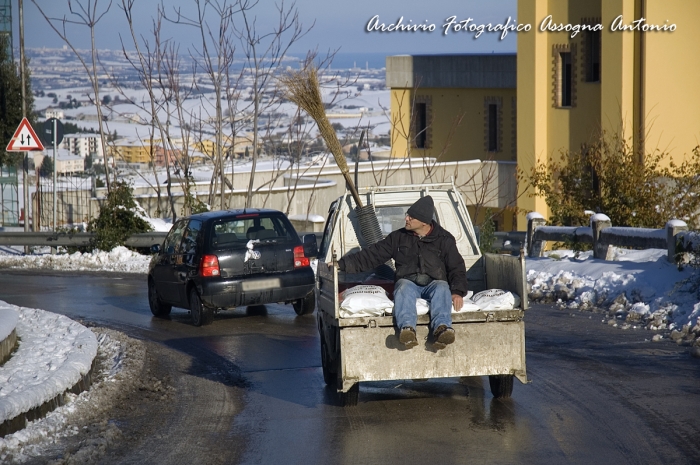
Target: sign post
55,166
24,140
52,135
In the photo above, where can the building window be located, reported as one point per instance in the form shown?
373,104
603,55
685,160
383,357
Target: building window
565,93
421,124
493,127
493,124
592,55
564,57
590,51
422,117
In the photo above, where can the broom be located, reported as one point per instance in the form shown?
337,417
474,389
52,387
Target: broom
302,88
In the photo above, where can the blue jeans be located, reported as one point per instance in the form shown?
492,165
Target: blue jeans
438,295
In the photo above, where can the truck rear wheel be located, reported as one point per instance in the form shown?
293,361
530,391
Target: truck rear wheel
349,399
327,363
305,305
501,385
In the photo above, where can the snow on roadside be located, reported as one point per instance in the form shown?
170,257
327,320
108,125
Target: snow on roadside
54,353
119,259
8,321
119,363
637,288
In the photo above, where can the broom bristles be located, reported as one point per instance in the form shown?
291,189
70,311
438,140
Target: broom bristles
302,88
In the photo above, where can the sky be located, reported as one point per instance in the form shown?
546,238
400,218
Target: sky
335,25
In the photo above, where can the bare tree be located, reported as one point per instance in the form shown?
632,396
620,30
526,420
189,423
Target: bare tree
264,53
159,64
84,13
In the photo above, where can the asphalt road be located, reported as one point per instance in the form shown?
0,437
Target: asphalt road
249,389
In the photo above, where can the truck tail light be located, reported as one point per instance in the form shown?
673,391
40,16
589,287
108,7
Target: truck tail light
209,266
300,261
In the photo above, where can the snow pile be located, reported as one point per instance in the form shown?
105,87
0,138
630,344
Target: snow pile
119,259
639,288
119,363
54,353
8,321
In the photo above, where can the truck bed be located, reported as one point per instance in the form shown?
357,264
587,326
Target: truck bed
486,342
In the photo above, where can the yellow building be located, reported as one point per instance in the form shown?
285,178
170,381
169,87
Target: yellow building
456,108
453,107
625,67
237,145
132,152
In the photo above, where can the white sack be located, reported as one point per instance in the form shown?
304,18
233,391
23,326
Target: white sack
496,299
364,300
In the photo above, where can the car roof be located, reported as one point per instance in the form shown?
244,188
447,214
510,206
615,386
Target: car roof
231,213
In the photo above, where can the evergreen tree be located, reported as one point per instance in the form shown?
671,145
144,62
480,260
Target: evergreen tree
11,102
46,169
119,218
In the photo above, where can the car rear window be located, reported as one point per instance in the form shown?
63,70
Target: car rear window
237,231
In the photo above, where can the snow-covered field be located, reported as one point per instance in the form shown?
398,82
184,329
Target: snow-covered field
638,290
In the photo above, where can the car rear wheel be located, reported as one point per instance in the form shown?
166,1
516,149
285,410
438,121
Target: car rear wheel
158,308
305,305
201,314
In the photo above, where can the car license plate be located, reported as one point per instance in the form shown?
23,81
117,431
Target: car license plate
260,284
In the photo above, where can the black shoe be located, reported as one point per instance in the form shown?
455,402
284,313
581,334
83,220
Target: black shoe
443,335
407,337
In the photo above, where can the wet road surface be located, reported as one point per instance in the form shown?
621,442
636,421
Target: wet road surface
251,390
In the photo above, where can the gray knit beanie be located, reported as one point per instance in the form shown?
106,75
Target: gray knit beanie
422,210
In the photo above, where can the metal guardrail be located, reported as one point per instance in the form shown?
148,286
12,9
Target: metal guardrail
56,239
81,239
511,241
602,235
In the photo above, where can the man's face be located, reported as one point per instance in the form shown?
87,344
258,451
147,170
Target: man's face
413,224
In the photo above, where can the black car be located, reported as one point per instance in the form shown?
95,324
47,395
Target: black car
225,259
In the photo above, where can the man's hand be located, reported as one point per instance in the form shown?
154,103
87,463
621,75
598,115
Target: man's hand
457,301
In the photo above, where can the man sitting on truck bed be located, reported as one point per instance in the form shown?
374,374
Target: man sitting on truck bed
428,266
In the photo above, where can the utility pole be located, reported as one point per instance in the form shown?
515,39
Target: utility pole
25,158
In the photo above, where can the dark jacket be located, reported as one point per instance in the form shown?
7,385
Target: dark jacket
435,255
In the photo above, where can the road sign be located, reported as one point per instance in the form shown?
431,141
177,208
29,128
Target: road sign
47,132
24,139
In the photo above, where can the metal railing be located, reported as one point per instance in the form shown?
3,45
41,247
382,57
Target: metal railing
602,235
81,239
78,239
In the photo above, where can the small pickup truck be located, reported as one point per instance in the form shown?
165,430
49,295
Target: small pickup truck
360,349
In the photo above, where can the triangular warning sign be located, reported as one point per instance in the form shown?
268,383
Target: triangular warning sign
24,139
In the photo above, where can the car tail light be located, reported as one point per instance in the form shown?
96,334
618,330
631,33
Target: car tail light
209,266
300,261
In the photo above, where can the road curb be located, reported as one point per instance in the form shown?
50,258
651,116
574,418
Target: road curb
8,333
20,406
